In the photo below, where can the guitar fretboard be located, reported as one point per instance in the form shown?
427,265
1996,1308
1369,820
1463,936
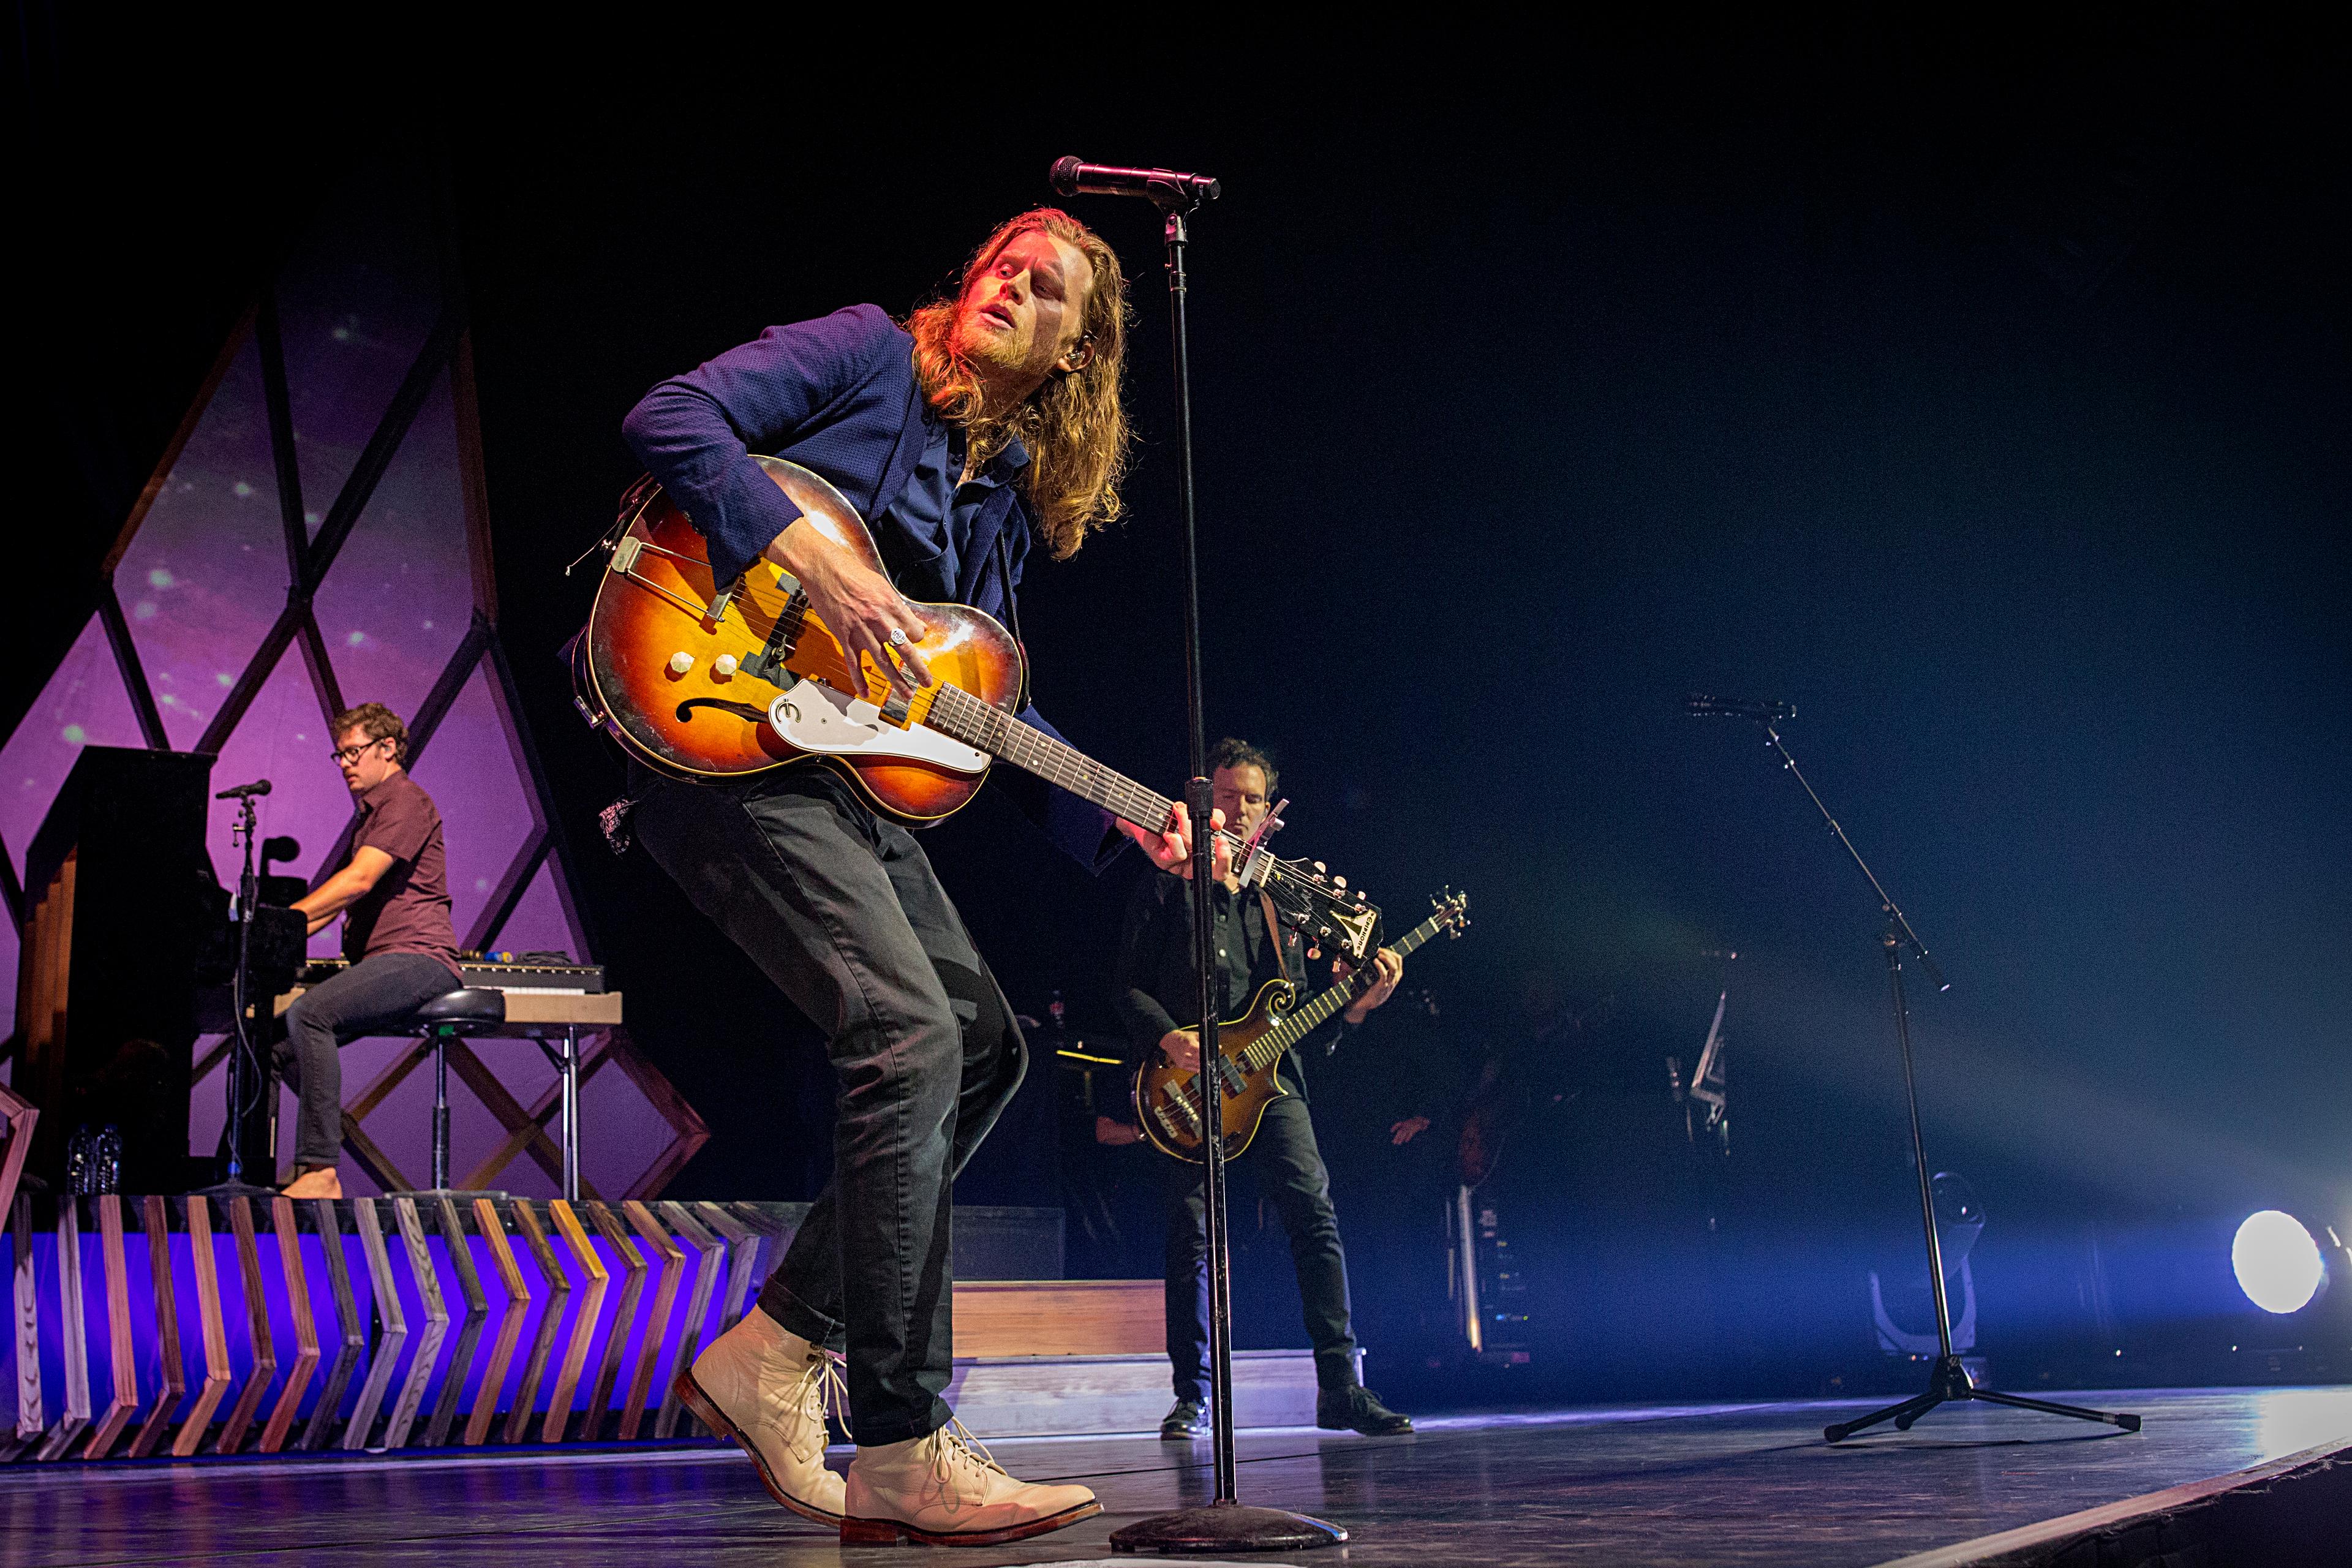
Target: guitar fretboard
1297,1025
958,714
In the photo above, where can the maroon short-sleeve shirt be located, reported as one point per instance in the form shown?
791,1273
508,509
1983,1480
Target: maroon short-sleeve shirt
408,909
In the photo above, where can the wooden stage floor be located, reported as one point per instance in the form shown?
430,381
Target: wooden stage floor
1728,1484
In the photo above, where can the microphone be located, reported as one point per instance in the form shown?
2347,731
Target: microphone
1699,706
240,792
1165,186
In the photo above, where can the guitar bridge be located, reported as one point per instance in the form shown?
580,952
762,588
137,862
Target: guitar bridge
767,664
1182,1102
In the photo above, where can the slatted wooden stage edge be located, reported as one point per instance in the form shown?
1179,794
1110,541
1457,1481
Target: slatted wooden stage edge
180,1327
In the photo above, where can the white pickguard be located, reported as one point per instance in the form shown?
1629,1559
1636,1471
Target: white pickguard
815,717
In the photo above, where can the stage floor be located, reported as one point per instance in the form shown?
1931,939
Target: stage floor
1748,1484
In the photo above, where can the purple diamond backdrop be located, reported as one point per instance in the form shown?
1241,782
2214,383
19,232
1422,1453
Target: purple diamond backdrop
399,609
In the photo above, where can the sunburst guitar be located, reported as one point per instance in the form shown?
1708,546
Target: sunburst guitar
1168,1099
709,682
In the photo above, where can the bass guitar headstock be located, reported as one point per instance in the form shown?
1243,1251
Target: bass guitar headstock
1452,911
1321,908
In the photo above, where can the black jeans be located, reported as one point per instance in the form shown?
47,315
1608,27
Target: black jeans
1289,1170
842,910
375,997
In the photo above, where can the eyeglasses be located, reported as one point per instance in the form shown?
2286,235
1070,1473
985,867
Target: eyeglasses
353,754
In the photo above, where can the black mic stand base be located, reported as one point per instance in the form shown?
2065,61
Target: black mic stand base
1225,1527
1949,1384
235,1189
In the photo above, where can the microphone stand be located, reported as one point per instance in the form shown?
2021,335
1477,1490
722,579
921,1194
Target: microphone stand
1949,1380
1225,1524
244,1064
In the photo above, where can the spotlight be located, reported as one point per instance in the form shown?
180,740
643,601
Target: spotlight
2278,1265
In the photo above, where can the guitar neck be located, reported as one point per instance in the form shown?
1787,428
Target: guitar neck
958,714
1317,1012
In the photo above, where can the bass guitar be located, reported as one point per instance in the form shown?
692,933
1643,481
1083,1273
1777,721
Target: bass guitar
709,682
1167,1103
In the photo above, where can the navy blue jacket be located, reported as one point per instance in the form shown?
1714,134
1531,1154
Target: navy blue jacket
838,396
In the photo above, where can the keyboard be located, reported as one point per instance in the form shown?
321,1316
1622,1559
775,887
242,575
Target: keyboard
546,979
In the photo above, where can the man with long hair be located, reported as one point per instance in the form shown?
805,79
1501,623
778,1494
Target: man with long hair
987,424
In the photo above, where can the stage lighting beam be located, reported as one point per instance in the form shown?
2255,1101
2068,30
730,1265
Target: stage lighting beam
2278,1265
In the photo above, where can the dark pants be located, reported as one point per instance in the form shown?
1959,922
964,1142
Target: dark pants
842,910
1289,1170
375,997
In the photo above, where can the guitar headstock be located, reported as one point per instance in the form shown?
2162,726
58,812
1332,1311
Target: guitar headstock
1452,912
1331,916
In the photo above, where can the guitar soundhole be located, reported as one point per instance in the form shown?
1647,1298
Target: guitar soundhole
740,709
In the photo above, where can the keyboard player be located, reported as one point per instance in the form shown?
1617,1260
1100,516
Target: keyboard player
393,895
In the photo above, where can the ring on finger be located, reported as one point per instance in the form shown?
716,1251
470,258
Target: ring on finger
897,636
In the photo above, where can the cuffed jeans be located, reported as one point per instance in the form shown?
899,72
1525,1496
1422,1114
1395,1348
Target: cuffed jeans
375,997
1289,1170
841,909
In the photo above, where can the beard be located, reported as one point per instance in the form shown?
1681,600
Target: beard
984,348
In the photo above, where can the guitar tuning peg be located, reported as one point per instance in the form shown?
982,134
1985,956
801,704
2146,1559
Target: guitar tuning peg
1319,865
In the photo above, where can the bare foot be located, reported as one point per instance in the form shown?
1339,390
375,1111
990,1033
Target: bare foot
324,1183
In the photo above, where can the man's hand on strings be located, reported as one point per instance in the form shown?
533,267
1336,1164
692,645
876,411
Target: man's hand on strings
868,617
1171,847
1182,1049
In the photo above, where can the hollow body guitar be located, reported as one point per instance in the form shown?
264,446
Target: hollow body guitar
710,682
1167,1103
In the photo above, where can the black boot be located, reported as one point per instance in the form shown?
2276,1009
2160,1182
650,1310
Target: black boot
1185,1421
1356,1409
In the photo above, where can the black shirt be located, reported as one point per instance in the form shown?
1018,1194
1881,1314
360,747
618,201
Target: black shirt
1155,990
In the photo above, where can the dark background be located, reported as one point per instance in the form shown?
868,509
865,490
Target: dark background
1985,395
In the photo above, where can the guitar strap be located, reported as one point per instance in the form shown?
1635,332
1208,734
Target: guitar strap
1283,940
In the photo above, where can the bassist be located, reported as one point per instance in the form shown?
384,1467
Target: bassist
1157,998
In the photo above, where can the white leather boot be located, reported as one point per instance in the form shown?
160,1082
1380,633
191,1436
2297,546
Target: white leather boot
945,1491
765,1387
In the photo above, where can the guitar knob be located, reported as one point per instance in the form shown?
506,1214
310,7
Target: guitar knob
723,666
680,662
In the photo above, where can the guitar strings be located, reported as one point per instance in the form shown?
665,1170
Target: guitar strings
988,727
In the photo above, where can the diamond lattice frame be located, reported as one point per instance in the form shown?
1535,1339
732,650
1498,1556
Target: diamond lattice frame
308,557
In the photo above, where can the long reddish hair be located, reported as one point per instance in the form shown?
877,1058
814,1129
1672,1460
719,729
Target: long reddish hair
1074,426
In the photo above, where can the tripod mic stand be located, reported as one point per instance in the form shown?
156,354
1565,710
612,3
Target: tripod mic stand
1949,1381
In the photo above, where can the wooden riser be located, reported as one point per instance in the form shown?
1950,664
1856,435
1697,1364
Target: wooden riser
999,1318
1051,1397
